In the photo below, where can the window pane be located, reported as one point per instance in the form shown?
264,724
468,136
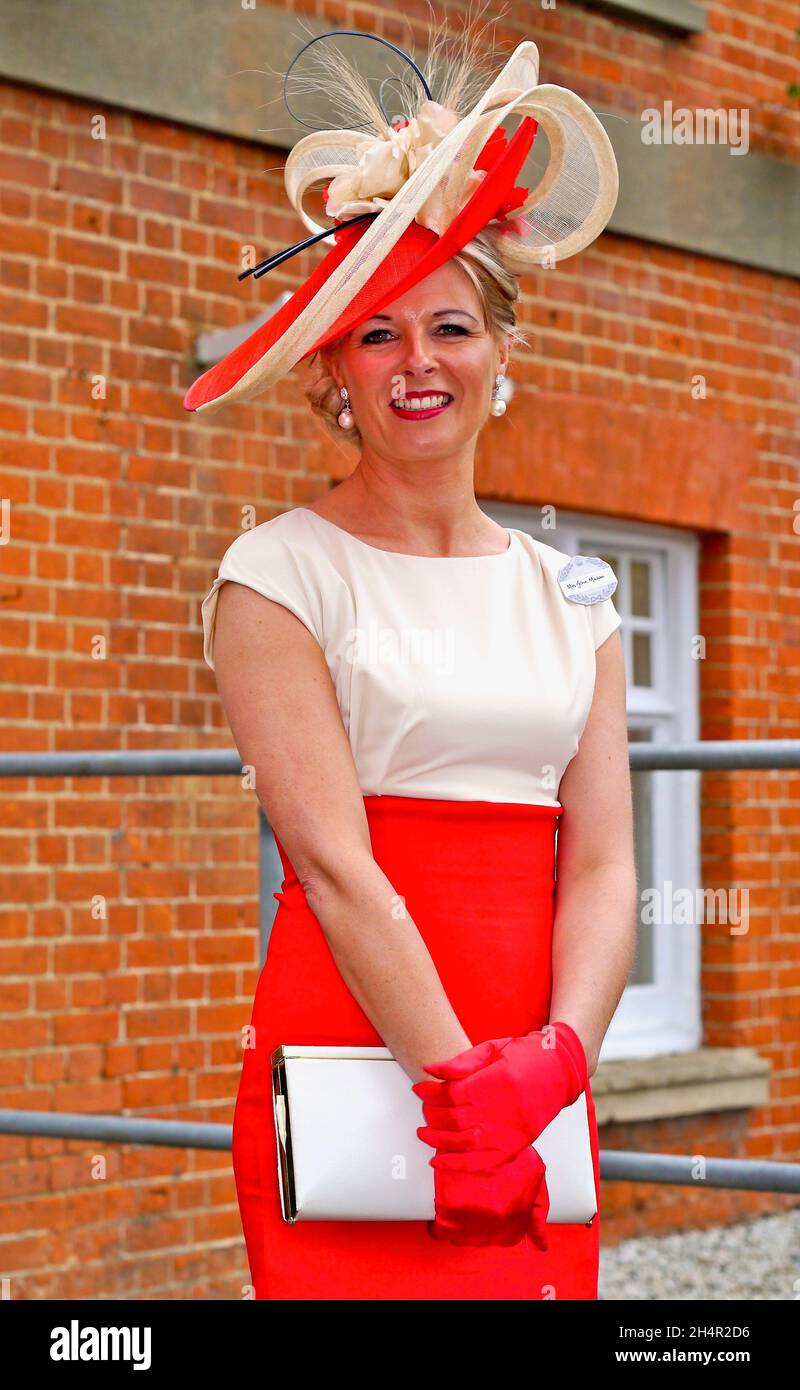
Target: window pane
640,588
641,646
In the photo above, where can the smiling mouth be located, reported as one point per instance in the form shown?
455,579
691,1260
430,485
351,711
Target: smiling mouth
422,406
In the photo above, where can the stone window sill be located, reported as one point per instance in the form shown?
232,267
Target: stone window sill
680,1083
686,16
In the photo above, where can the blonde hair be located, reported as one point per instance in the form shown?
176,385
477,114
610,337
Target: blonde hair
498,292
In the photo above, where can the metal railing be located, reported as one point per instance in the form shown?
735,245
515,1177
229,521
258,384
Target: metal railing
615,1164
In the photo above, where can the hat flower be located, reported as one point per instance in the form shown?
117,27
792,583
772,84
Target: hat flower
384,164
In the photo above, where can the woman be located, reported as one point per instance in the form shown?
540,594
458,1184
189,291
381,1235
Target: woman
415,687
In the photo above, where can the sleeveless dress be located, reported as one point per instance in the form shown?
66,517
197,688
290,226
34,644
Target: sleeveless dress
464,685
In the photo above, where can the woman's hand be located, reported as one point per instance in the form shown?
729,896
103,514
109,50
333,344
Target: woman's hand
495,1099
498,1206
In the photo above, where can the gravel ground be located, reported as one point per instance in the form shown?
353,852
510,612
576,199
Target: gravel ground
750,1260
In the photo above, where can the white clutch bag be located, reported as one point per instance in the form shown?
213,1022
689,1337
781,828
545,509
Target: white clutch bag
346,1124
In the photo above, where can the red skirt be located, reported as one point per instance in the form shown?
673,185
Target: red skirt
477,878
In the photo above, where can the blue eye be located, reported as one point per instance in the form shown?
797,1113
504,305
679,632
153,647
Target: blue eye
457,326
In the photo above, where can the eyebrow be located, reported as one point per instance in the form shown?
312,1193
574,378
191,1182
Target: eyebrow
439,314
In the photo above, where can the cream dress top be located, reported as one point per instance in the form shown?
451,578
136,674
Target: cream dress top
458,678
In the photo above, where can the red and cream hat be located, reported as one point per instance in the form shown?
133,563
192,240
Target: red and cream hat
410,195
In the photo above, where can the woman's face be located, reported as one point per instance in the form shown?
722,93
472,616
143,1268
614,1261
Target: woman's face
431,341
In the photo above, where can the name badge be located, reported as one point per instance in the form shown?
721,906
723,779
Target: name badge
587,579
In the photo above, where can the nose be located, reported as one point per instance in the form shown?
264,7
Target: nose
420,357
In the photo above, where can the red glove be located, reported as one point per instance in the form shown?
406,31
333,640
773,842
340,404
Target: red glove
495,1099
496,1207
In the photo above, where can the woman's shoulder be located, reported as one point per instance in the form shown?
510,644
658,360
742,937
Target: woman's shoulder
270,539
277,558
286,545
579,576
583,584
548,556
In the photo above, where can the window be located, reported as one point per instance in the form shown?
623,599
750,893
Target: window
656,569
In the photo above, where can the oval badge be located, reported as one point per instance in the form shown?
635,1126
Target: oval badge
587,579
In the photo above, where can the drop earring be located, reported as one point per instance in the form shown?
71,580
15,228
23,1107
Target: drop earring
498,405
345,419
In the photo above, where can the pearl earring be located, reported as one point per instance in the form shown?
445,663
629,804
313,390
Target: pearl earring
498,405
345,419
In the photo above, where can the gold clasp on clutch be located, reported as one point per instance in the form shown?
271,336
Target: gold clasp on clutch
281,1117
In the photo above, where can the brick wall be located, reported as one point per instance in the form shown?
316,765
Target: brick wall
128,927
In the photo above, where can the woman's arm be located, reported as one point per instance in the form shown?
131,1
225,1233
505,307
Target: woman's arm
594,931
281,704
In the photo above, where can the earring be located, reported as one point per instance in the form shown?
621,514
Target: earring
498,405
345,419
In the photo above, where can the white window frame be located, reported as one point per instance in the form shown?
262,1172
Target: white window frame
665,1015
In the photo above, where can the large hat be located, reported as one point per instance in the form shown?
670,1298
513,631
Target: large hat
408,198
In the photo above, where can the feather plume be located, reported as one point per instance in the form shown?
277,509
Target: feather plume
457,68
